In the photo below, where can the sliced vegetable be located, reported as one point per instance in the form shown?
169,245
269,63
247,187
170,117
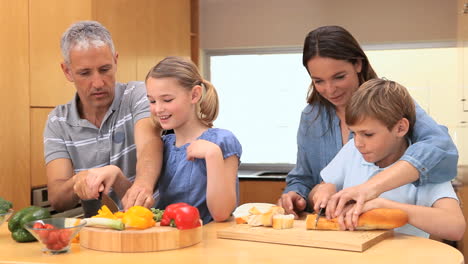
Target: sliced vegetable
181,215
138,217
105,222
105,212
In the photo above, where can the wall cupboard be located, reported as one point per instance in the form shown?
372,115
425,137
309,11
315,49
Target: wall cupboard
144,32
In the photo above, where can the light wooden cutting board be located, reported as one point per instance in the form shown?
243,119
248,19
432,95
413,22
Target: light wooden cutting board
299,236
156,238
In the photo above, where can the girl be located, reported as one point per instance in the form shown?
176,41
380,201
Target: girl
337,66
200,162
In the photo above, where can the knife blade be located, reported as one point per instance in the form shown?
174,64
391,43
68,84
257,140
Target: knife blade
320,213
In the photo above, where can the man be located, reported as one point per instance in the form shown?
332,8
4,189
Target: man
103,140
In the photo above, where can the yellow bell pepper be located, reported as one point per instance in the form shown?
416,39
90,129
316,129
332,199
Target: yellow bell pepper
105,212
138,217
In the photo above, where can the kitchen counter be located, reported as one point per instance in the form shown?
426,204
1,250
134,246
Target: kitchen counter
398,249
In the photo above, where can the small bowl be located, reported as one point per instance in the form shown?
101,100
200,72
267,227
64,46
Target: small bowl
55,234
5,216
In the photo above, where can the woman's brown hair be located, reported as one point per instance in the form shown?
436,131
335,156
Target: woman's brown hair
337,43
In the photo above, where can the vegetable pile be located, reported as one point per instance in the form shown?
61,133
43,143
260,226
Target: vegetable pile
5,205
16,223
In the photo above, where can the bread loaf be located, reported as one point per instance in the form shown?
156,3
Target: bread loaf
281,221
381,218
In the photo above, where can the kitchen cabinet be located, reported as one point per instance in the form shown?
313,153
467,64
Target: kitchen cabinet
14,102
255,190
144,32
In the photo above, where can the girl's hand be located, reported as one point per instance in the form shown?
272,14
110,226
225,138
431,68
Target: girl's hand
321,196
200,149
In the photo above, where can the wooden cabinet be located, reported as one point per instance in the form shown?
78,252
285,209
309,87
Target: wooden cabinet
38,120
144,32
48,19
260,190
14,102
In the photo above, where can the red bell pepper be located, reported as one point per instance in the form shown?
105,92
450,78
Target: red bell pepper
182,215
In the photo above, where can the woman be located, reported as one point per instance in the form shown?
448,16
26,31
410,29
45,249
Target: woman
338,66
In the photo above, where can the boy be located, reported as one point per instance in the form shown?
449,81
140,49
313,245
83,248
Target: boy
381,114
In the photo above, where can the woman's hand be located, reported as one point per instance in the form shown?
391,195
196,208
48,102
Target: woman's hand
292,203
199,149
321,195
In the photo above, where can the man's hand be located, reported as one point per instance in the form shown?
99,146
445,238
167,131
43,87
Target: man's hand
88,184
292,203
359,194
138,195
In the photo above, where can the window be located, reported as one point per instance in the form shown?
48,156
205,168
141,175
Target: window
263,92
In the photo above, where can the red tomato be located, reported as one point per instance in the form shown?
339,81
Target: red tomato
64,236
52,237
48,226
38,225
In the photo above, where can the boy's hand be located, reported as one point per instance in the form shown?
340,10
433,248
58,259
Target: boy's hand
321,196
349,217
199,149
359,194
292,203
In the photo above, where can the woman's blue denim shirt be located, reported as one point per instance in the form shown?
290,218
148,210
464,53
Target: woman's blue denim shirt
433,152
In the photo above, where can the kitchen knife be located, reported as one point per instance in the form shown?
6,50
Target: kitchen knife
320,213
91,206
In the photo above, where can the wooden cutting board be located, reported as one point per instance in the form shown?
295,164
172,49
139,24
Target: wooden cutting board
299,236
156,238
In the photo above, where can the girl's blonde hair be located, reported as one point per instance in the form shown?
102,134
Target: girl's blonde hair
187,75
384,100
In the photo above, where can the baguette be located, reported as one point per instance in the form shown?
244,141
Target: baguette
381,218
283,221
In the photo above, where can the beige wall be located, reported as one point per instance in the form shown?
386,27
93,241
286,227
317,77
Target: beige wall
265,23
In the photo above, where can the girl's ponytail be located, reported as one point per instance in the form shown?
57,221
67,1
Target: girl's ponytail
208,107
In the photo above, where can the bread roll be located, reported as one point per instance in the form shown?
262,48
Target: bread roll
244,211
281,221
267,218
381,218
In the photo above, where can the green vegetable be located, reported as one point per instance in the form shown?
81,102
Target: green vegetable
157,214
16,223
5,205
105,222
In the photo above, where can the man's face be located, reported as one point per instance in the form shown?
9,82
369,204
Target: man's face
92,70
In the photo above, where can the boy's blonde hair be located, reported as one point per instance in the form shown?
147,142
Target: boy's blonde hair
384,100
187,75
